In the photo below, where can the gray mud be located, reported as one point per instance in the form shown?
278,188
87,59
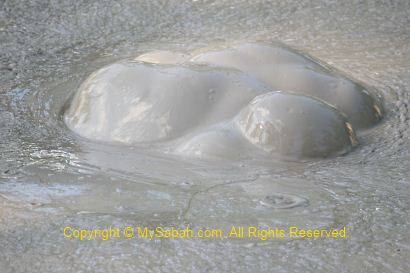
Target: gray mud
51,178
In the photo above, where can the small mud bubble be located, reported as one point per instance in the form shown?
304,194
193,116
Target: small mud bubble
284,201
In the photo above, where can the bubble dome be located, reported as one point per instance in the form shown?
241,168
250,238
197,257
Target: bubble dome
247,99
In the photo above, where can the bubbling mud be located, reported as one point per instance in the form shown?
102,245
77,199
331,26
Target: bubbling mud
134,102
288,71
295,126
241,101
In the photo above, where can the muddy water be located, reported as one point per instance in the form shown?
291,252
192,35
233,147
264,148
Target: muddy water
51,177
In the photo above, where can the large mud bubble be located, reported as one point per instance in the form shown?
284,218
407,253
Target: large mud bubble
243,100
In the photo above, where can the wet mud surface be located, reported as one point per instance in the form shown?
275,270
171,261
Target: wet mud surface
51,177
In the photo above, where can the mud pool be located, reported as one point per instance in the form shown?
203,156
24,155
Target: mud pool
51,177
